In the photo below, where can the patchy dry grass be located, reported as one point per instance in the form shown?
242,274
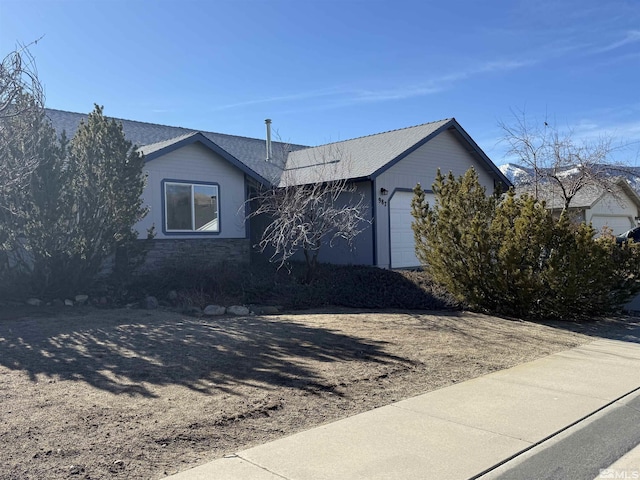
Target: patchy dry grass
143,394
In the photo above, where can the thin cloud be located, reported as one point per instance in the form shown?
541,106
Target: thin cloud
439,84
632,36
282,98
343,97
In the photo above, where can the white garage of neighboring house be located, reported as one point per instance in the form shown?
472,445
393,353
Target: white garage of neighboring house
617,210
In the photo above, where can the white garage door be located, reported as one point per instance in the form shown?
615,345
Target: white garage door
403,250
617,223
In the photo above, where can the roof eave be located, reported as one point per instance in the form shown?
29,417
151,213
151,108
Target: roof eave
411,149
480,153
199,137
452,124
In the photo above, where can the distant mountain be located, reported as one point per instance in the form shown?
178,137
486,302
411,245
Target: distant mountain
519,175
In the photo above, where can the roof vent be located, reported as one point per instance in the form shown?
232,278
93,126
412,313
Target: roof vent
268,123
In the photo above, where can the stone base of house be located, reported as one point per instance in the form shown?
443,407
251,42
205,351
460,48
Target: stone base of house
201,252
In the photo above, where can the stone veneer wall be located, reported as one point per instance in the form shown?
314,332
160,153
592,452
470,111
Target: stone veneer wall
199,251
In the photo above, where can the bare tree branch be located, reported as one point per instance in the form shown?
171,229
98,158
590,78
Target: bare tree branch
557,158
314,205
18,77
22,117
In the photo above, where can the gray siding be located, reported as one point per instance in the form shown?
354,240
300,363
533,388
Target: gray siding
190,163
361,252
444,152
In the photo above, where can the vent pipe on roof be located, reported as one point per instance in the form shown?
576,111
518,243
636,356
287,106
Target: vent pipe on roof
268,123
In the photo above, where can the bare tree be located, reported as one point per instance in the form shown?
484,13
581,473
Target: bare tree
559,159
18,77
22,117
311,205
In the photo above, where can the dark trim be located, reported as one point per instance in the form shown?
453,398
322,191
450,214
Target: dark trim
374,227
463,137
164,208
247,208
198,137
399,189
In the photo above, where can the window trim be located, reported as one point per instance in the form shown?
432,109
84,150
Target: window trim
192,183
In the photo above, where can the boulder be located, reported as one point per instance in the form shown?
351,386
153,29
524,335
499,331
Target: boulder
34,302
68,303
81,299
238,310
150,303
214,310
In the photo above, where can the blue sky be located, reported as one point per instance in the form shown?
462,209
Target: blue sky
328,70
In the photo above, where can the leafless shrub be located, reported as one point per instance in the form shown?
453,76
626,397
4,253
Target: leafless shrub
313,204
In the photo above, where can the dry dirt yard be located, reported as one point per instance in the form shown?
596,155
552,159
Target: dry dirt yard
143,394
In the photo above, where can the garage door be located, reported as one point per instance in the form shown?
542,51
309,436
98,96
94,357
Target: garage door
403,250
617,223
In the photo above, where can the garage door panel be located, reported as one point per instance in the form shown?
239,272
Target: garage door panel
618,223
402,244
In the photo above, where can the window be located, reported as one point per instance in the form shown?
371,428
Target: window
191,207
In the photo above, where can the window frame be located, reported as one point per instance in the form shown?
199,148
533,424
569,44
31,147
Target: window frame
192,184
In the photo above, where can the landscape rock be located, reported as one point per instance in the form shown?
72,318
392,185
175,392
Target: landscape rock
68,303
117,466
150,303
76,469
214,310
57,302
238,310
34,302
81,299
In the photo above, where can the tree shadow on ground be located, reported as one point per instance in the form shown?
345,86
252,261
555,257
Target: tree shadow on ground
127,352
624,328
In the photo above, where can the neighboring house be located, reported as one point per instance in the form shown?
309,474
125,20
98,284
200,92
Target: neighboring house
198,184
618,210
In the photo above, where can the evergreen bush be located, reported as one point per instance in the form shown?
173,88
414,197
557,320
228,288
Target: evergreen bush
509,255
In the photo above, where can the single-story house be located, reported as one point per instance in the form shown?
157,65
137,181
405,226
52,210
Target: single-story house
616,207
198,183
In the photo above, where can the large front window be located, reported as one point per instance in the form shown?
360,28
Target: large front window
191,207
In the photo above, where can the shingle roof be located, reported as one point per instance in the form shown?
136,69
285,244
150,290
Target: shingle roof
362,157
151,137
356,158
586,197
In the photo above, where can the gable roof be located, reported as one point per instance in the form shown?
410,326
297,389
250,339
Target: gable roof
368,157
585,198
156,150
150,138
358,158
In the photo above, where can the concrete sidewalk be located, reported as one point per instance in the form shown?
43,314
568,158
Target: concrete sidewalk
463,431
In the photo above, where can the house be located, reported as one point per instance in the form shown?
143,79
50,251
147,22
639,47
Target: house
198,184
617,208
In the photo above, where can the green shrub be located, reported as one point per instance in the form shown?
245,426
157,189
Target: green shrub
511,256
